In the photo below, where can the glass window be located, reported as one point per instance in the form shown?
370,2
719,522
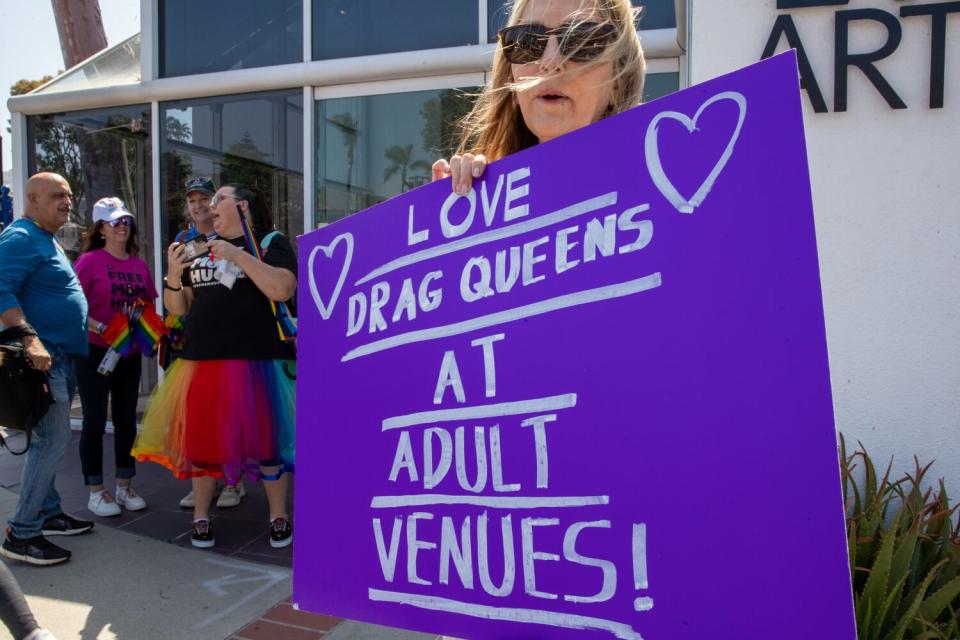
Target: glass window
220,35
498,12
100,152
375,147
656,14
345,28
252,139
657,85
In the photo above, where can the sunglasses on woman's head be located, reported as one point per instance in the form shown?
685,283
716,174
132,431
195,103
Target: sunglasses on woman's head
580,41
126,221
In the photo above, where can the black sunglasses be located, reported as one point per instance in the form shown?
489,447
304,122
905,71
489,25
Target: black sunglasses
579,42
126,221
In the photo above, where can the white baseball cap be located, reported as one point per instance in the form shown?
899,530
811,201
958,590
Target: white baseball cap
109,209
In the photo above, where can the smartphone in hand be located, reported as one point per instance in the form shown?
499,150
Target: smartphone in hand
195,247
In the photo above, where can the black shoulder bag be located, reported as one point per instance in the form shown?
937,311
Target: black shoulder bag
25,393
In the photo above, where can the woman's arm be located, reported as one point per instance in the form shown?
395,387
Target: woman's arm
177,301
95,326
176,297
276,283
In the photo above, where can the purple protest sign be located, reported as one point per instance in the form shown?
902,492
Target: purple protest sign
592,397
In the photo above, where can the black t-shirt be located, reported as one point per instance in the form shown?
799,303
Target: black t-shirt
236,323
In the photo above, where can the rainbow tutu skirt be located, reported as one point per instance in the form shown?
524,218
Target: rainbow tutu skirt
221,418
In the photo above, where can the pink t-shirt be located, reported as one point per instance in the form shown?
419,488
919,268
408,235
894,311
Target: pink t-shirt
109,283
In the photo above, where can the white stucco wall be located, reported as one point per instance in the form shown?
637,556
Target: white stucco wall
885,187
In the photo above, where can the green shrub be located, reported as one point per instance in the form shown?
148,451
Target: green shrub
904,553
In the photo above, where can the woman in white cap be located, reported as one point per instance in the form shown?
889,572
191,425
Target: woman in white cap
114,278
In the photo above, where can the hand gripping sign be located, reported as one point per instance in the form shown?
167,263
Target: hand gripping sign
588,399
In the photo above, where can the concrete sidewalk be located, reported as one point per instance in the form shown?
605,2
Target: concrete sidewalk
121,585
136,577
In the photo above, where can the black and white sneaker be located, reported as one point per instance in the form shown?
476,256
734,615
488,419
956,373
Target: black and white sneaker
65,525
36,550
202,536
281,533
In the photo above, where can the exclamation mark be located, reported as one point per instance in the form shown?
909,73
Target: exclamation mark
640,566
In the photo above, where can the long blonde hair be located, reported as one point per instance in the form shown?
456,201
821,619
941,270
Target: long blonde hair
495,126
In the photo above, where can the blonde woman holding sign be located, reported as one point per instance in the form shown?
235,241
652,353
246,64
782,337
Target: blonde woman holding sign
560,65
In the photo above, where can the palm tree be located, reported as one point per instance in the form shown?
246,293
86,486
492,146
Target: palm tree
177,130
347,125
400,156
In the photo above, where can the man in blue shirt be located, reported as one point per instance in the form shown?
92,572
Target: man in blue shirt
41,296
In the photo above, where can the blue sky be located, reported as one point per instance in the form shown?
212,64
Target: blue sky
30,47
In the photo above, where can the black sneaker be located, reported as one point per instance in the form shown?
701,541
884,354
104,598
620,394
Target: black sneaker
281,533
36,550
65,525
202,535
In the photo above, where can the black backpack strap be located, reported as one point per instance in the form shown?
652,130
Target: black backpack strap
16,332
3,443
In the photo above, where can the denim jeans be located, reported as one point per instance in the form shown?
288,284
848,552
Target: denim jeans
39,499
122,387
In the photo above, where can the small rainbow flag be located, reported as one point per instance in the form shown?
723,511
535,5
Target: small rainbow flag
173,338
174,326
117,334
147,327
140,327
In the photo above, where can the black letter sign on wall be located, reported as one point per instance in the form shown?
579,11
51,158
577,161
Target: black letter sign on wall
784,26
843,59
864,61
803,4
938,43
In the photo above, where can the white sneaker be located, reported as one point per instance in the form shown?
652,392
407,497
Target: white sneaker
41,634
187,501
230,496
102,504
129,499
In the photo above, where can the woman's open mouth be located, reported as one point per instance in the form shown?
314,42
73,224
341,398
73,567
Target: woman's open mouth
551,97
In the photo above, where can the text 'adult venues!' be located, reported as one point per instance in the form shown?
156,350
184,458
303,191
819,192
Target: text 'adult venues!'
591,397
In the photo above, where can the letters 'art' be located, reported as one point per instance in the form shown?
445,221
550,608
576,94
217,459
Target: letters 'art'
589,399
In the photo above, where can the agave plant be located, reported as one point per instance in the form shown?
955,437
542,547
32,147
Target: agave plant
904,552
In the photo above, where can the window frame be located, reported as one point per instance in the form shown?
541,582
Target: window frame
363,90
163,107
153,47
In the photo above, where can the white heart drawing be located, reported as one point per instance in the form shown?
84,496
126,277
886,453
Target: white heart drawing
653,152
327,309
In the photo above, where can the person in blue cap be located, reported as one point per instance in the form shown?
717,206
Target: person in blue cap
199,214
